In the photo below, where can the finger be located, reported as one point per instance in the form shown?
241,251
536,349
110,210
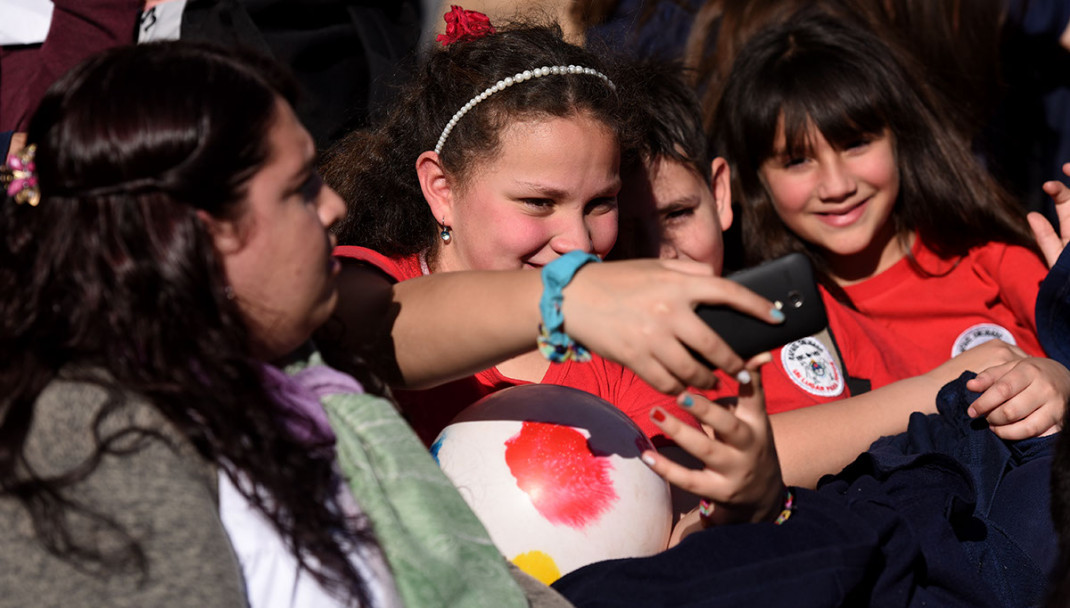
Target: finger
694,441
751,402
1049,243
1057,191
1002,386
679,356
1031,426
725,292
657,375
988,376
726,425
696,335
1016,409
702,482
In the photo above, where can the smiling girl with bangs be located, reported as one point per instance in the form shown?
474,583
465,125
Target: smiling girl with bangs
837,152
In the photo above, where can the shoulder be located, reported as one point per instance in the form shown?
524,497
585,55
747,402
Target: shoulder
135,479
1008,262
73,415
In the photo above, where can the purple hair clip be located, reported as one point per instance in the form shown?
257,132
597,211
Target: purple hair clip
19,178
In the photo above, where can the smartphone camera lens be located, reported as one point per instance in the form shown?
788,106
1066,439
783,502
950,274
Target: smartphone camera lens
795,299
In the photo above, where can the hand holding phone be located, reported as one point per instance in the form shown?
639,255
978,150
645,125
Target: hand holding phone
789,283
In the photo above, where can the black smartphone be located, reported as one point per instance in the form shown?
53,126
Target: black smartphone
789,283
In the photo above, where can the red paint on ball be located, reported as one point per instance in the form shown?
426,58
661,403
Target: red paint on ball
554,466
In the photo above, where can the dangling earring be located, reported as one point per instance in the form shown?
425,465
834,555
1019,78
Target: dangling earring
445,234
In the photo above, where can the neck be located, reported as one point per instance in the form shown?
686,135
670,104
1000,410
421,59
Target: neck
881,254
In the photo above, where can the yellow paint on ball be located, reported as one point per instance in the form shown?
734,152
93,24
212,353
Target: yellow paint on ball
539,565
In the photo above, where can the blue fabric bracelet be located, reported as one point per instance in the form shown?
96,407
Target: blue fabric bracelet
554,344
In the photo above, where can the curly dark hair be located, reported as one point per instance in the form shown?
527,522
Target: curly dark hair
114,272
839,76
375,171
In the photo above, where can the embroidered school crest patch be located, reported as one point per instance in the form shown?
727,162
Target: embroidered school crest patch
979,334
810,365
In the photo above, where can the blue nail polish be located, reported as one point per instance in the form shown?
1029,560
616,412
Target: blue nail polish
777,314
687,401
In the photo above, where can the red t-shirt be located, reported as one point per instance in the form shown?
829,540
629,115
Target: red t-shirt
805,373
954,304
430,410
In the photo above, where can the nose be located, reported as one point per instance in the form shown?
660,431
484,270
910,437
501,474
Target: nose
572,233
668,250
331,208
837,182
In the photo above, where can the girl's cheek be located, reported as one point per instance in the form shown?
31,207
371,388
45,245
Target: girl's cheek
604,230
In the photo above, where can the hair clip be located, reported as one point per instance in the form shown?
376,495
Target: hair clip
19,178
462,24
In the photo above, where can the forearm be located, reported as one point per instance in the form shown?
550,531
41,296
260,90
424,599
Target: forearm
450,326
433,329
822,439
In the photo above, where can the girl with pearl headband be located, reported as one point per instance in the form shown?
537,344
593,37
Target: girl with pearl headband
503,155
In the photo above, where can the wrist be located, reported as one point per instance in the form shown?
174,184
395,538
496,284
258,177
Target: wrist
778,512
553,342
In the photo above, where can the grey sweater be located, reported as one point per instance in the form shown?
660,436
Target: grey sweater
162,493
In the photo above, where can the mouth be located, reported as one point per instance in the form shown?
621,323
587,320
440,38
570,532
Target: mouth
845,216
334,265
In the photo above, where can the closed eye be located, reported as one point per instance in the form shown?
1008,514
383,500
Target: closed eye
601,205
540,203
676,214
310,188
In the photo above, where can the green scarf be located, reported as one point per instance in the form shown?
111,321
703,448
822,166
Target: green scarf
437,548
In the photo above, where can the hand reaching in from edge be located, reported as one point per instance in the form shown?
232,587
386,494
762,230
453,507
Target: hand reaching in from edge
1020,399
1050,243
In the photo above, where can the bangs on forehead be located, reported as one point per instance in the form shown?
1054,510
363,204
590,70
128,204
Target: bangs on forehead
841,99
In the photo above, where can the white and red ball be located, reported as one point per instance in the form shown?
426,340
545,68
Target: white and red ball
555,476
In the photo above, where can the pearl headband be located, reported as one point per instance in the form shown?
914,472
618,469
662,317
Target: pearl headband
505,83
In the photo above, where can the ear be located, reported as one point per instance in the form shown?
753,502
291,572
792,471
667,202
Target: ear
721,184
225,233
436,186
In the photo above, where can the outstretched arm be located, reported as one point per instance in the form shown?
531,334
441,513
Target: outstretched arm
640,313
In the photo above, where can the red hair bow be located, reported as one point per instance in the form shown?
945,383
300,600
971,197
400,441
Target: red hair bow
464,25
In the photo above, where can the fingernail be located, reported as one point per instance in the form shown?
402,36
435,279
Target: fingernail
685,400
743,377
657,414
777,314
647,459
972,413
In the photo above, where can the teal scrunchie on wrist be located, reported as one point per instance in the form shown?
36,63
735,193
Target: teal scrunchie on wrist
554,343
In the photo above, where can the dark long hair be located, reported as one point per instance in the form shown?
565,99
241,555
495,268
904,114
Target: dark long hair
375,171
839,76
953,45
113,279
